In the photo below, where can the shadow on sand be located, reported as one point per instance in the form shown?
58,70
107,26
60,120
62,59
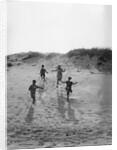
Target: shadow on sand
69,112
29,117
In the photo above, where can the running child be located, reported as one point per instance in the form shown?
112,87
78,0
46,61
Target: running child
42,72
68,88
59,74
32,90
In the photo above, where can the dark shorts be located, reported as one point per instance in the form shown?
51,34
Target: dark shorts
59,79
32,95
68,89
42,75
59,76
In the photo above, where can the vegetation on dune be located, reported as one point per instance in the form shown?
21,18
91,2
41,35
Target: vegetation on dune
9,64
51,55
100,58
33,55
103,53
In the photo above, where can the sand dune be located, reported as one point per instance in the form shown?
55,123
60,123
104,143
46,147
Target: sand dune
52,121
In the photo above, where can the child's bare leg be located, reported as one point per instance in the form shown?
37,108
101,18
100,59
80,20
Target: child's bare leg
67,96
44,78
57,83
60,80
34,100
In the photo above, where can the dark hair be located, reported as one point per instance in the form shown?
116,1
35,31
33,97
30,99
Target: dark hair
42,66
34,81
70,78
59,66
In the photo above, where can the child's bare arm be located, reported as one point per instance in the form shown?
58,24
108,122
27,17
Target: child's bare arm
75,83
39,87
63,70
54,70
46,71
63,81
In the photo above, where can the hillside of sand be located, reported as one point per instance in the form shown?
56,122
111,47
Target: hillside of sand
52,121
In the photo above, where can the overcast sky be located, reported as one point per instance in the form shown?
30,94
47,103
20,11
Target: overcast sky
57,27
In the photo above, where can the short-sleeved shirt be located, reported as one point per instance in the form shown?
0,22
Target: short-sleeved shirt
59,73
32,90
69,85
42,71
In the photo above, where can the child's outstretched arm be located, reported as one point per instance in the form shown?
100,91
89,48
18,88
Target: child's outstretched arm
63,81
63,70
46,71
75,83
53,70
40,87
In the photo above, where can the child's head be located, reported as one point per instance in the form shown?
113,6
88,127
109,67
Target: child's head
34,81
59,66
42,66
69,78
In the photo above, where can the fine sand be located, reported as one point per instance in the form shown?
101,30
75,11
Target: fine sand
52,121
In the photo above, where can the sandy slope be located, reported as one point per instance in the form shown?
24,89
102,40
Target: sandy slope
52,122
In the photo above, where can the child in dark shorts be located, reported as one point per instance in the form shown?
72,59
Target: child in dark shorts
42,72
68,88
32,90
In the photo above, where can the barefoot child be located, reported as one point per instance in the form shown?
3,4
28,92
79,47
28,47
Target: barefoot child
32,90
68,88
59,74
42,72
